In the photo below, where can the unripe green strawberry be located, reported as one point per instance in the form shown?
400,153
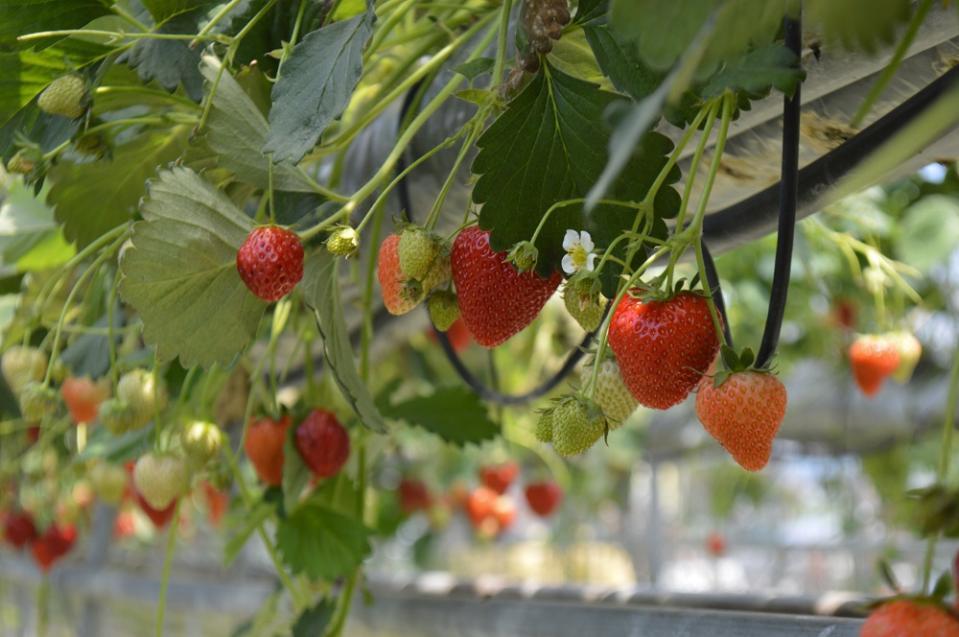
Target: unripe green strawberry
910,350
21,365
37,401
65,96
201,442
117,416
575,427
343,242
144,393
544,426
109,481
444,310
584,301
417,250
21,164
612,395
439,272
524,256
161,478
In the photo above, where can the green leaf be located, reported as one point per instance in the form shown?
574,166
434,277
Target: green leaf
25,222
620,64
316,84
929,232
248,524
573,56
89,354
19,17
772,66
163,9
321,292
321,543
876,21
313,621
296,475
590,11
943,586
103,444
664,29
455,414
180,273
538,153
237,130
475,67
169,62
94,197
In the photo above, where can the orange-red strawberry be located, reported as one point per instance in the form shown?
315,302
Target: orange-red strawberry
496,301
83,397
323,443
716,544
499,477
19,529
53,544
270,262
124,525
504,512
543,497
663,347
479,505
217,502
873,358
264,448
743,413
414,495
400,294
910,618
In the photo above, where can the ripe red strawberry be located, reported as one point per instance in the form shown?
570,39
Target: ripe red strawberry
53,544
844,313
479,505
264,448
496,301
19,529
270,262
414,496
743,414
663,347
716,544
873,358
499,477
399,295
83,397
910,618
124,525
458,335
543,497
159,517
217,502
323,443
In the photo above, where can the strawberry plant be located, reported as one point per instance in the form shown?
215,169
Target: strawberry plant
206,284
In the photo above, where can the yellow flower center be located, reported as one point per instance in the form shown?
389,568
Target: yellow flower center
579,256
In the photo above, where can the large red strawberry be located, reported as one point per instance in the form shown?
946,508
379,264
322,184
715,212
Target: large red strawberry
270,262
743,414
83,397
543,497
53,544
496,300
499,477
323,443
400,295
19,529
264,448
873,358
413,495
663,347
910,618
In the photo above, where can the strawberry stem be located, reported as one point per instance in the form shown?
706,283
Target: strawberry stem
167,567
945,456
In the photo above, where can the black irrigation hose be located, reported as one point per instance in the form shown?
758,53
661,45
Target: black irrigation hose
715,290
485,392
788,196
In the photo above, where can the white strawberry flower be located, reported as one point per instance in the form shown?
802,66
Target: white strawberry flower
579,252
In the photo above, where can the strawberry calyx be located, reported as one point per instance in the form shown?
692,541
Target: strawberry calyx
657,290
736,363
523,256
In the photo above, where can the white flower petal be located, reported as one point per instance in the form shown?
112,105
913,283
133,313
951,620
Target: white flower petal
590,262
571,240
587,241
568,266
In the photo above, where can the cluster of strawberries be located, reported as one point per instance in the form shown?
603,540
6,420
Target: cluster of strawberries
488,507
322,442
20,532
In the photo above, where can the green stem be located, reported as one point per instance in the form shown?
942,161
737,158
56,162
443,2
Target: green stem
76,260
43,605
675,155
384,29
945,456
502,38
890,70
474,134
293,38
167,567
143,90
222,13
40,35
